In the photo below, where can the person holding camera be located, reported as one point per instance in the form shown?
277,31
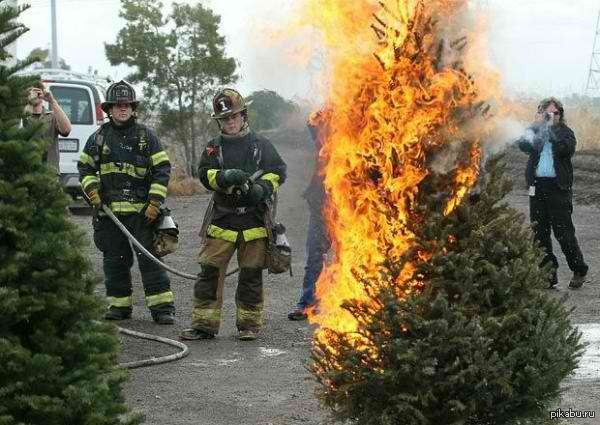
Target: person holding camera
550,144
56,120
243,170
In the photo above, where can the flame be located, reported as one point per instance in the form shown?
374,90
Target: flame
401,107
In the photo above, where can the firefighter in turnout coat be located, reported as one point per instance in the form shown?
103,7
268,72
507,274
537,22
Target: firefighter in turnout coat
238,219
124,167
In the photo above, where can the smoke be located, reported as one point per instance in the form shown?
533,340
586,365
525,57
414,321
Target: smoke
505,133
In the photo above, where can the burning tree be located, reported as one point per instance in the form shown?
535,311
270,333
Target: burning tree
431,312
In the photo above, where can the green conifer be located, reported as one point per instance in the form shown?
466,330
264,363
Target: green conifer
480,343
58,359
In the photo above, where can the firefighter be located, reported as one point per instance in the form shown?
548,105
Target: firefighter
238,219
124,167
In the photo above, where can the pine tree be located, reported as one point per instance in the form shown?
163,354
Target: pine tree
58,359
479,342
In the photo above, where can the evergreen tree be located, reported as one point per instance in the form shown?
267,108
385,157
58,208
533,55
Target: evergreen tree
58,359
479,342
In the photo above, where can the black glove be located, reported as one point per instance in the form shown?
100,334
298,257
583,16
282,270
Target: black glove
256,194
232,177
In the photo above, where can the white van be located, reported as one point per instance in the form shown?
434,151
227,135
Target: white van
80,97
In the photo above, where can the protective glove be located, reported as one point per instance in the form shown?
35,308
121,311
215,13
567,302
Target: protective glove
232,177
152,211
256,194
94,197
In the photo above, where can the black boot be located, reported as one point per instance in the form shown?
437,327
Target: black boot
118,313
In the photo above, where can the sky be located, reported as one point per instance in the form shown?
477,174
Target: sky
540,47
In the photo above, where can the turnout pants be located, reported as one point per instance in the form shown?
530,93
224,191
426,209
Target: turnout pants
118,259
550,210
208,290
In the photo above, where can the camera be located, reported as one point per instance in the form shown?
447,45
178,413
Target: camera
549,116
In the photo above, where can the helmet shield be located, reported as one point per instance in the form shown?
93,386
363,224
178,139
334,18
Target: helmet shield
120,92
227,102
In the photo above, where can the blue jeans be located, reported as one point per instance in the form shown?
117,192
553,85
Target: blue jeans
317,245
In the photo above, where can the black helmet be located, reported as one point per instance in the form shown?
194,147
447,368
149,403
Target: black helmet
228,102
120,92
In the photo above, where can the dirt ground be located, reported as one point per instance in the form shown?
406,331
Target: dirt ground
226,382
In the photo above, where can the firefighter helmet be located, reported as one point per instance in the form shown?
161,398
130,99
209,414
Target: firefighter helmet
120,92
228,102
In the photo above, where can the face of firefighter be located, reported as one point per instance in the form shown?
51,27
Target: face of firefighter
233,124
121,112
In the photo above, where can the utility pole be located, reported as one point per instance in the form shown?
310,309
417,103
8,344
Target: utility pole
54,36
592,87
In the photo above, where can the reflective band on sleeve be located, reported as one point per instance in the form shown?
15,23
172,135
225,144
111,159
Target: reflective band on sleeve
129,169
89,180
212,178
224,234
165,297
125,207
120,301
84,158
273,178
255,233
159,157
158,189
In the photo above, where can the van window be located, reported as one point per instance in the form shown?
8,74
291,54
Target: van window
75,102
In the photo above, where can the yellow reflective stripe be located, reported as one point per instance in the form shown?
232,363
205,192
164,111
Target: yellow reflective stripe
126,207
255,233
163,298
88,180
273,178
212,179
205,314
129,169
120,301
224,234
252,316
84,158
159,157
158,189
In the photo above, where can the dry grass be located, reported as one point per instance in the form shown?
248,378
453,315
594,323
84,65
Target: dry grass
183,185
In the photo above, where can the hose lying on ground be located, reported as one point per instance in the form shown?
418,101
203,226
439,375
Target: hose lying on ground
147,253
154,360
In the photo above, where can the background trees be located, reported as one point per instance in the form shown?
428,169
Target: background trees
180,61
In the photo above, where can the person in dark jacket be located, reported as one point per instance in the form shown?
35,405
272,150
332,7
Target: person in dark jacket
317,239
230,166
551,144
124,166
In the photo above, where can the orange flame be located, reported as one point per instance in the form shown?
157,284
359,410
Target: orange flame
401,105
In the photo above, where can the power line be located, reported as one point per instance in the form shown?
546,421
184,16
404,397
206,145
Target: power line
593,83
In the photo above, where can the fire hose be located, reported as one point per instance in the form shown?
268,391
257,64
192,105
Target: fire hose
184,348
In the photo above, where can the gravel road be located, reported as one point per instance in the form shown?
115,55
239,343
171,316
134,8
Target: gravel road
226,382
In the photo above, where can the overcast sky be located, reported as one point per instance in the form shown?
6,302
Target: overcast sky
540,47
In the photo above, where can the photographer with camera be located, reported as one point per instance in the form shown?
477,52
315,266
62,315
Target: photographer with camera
56,120
550,144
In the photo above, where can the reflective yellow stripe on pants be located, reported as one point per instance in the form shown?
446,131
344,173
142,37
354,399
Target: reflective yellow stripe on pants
120,301
231,235
163,298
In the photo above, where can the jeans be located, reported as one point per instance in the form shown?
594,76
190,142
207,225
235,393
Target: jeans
317,245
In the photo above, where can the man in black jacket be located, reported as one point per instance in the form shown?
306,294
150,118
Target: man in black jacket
238,220
549,174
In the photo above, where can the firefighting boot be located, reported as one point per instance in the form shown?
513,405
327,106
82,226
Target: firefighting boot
164,318
247,335
192,334
118,313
